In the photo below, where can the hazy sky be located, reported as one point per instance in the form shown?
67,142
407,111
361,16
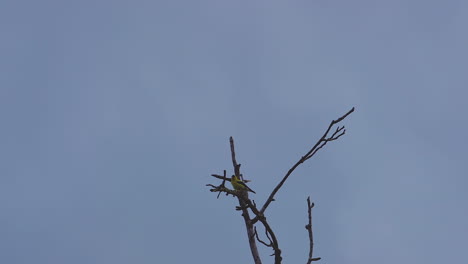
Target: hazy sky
114,114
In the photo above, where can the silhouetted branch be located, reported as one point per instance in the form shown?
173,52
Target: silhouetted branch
222,189
233,157
320,143
309,229
261,241
274,242
245,203
222,184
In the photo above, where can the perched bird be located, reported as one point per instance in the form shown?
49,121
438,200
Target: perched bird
239,185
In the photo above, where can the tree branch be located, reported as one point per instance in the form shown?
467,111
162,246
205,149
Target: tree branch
245,213
261,241
245,203
274,242
320,143
309,229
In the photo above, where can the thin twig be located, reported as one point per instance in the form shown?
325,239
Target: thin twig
261,241
222,189
309,230
222,184
274,242
221,177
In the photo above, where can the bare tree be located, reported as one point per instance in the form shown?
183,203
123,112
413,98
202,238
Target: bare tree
248,206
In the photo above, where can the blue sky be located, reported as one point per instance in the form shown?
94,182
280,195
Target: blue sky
115,113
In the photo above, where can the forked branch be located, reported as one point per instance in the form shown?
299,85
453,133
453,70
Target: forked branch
320,144
245,203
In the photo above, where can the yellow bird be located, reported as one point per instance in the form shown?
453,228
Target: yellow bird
239,185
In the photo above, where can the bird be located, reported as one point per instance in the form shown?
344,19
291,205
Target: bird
239,185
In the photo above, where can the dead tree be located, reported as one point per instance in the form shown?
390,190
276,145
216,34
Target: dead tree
249,208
